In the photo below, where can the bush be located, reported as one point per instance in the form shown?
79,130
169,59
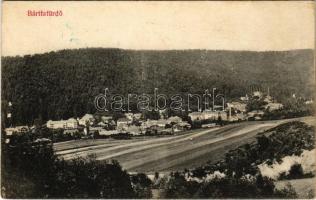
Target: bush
141,185
296,172
288,192
228,187
31,170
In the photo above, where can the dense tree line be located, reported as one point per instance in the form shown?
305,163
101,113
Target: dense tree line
64,84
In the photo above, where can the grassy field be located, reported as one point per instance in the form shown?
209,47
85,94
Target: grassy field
170,153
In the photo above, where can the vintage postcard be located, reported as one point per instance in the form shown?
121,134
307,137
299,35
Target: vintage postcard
158,99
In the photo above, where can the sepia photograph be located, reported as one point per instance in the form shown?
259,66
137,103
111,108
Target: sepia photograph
158,100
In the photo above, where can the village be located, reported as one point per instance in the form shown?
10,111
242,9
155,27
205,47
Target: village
135,124
158,100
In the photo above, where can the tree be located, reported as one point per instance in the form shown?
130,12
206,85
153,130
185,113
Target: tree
219,120
255,104
31,170
142,185
296,171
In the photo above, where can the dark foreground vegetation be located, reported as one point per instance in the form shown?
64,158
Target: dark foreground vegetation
31,170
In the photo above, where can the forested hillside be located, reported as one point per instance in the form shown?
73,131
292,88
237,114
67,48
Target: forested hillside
63,84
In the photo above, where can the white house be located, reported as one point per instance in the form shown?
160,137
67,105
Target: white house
102,124
208,115
209,125
63,124
245,98
129,116
196,116
257,94
237,106
107,133
106,119
240,110
268,99
133,116
257,114
273,106
309,102
174,119
17,129
212,115
162,122
149,123
182,126
87,118
95,129
137,115
166,131
123,123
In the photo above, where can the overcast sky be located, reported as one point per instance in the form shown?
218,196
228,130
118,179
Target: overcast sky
226,25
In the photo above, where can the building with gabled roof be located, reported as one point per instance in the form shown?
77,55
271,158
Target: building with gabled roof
62,124
18,129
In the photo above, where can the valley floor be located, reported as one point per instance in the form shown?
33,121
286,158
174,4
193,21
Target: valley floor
170,153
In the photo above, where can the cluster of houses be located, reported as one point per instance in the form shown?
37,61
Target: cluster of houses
131,123
237,110
134,124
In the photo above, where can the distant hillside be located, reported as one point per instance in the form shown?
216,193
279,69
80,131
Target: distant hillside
64,83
